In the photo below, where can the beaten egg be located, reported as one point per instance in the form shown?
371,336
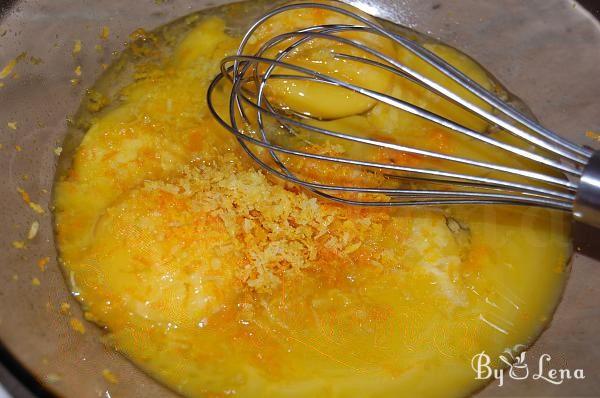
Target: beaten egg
219,280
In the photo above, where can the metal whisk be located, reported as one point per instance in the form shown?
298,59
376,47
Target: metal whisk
576,188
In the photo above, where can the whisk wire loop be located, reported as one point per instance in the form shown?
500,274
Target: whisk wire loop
250,74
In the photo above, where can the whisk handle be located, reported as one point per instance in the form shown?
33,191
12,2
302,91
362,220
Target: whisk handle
587,202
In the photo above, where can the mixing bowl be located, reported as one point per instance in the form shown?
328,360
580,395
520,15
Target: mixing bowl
547,52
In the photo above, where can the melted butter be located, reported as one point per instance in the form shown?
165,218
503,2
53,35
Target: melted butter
409,298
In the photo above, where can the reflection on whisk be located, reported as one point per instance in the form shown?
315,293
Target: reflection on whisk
566,176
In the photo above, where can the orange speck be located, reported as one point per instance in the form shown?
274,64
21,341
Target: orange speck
110,376
195,140
77,47
65,308
8,68
35,282
319,15
77,325
37,208
18,244
42,262
34,206
24,195
105,32
477,257
593,135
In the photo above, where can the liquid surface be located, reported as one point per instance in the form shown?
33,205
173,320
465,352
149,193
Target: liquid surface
220,281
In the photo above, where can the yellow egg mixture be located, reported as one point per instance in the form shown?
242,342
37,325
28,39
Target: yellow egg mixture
219,280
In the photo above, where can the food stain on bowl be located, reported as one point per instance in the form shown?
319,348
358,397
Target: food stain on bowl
217,279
